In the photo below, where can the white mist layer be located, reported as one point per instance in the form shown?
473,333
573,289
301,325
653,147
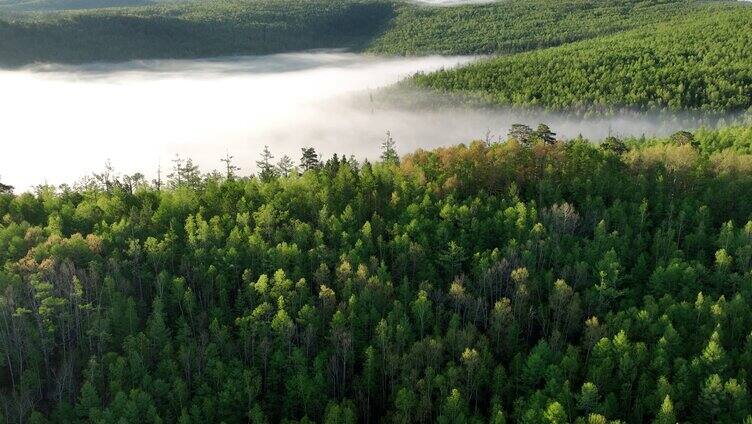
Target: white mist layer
62,123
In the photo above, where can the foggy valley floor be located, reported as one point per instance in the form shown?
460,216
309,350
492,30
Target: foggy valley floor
141,114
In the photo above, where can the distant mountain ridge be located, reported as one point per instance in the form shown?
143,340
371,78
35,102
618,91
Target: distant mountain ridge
59,5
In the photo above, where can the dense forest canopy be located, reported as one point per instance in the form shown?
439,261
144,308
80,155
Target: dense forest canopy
225,27
511,26
697,62
535,280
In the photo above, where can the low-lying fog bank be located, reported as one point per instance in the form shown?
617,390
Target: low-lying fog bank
61,123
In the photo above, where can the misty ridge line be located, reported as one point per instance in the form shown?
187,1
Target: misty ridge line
181,163
286,166
596,128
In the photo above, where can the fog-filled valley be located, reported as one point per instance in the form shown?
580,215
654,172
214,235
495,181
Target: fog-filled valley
139,115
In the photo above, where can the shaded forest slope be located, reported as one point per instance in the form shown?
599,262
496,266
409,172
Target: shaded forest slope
205,29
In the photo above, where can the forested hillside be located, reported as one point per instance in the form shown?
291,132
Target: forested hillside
531,281
698,62
197,29
225,27
518,25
